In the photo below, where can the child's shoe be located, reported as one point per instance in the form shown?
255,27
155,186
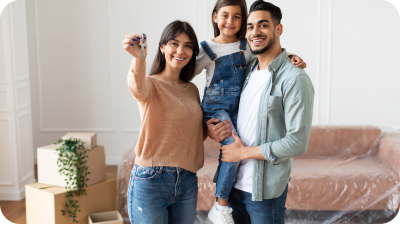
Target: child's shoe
220,217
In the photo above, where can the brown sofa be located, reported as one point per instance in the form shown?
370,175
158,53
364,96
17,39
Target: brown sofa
346,168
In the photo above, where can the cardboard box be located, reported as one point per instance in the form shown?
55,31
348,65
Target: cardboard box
90,139
45,202
48,168
112,217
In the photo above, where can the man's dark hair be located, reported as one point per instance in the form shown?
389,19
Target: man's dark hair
170,32
275,11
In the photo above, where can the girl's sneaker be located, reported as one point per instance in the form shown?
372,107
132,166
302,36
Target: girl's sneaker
220,217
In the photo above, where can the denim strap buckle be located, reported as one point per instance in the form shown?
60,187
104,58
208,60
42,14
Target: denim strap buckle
214,57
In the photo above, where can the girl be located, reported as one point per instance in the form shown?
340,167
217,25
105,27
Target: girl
163,184
225,58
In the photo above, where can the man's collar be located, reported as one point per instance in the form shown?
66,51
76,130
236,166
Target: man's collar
274,65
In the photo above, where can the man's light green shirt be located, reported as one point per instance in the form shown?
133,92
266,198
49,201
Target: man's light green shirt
283,125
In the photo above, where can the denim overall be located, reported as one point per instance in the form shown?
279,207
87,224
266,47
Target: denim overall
221,101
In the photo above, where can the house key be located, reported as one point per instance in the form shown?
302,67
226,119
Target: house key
142,45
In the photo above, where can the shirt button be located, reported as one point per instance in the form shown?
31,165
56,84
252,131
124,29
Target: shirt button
208,97
209,89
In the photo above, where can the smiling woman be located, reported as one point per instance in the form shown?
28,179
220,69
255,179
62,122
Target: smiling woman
177,34
163,184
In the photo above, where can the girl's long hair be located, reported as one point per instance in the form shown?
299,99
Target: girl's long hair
171,31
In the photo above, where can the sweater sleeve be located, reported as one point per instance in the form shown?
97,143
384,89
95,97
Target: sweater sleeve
138,83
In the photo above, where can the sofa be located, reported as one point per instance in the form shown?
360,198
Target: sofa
349,174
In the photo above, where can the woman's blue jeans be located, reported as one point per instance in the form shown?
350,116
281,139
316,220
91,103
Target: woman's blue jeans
162,195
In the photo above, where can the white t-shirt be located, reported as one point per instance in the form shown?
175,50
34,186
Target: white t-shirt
203,61
247,124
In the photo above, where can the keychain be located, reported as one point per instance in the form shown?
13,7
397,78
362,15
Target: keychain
142,45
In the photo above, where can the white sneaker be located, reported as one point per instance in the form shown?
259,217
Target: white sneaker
220,217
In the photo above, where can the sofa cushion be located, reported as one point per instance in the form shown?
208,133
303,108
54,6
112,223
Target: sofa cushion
337,184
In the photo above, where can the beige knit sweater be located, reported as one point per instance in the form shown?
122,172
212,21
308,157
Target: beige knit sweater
171,132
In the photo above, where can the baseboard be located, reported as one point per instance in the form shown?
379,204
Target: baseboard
113,161
16,195
13,196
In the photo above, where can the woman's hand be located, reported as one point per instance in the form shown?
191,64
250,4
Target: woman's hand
220,131
131,44
298,61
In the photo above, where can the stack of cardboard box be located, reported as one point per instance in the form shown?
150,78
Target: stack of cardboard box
46,199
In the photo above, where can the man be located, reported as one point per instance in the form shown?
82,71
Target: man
274,122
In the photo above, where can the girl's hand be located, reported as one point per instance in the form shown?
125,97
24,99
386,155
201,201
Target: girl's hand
298,61
131,44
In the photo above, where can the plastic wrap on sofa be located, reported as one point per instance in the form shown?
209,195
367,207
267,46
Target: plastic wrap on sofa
349,174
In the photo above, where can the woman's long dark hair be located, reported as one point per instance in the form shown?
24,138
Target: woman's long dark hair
171,31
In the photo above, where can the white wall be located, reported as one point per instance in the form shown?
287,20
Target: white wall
78,67
16,144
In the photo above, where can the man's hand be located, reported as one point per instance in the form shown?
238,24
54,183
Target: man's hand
220,131
235,151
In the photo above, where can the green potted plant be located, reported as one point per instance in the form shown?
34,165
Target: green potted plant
72,162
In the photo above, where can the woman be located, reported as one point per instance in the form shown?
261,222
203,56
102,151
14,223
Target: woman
169,152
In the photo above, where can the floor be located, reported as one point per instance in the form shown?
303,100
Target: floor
14,211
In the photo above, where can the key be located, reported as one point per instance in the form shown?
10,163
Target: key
142,45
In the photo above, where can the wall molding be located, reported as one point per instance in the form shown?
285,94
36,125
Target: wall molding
131,130
125,129
329,80
318,86
18,106
8,104
12,43
5,20
98,130
324,64
41,117
16,195
8,182
4,26
11,54
19,150
112,69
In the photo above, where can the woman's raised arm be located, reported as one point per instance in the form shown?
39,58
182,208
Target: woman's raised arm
137,80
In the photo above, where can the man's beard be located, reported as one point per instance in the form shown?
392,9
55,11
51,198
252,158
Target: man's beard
266,48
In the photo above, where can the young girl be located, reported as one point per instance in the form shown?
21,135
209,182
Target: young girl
225,58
